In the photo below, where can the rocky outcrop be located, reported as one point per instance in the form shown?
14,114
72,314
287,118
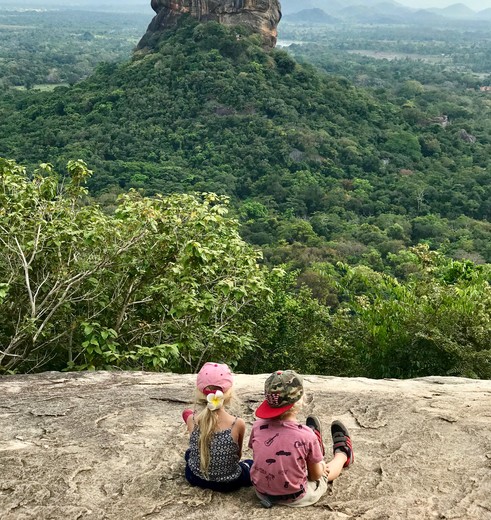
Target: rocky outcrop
468,138
109,446
262,16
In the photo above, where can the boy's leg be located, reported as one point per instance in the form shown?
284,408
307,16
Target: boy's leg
336,465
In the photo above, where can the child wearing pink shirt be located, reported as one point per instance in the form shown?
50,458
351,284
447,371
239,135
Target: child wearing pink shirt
289,466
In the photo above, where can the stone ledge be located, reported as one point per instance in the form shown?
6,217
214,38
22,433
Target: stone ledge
109,445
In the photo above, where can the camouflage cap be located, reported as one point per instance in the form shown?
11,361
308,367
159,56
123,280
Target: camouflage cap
282,390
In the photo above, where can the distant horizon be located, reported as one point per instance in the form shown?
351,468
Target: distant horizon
476,5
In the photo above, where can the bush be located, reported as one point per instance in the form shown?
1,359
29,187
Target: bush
161,283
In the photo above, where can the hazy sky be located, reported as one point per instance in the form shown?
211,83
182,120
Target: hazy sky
477,5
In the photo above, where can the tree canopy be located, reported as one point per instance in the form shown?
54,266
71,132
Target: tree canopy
367,191
161,281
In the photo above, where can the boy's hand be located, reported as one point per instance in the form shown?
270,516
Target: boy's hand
327,469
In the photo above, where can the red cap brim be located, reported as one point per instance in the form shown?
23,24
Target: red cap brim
206,391
265,411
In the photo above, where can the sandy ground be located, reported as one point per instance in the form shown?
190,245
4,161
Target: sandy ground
110,446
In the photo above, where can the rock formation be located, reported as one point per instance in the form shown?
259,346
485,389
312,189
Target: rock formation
468,138
262,16
109,446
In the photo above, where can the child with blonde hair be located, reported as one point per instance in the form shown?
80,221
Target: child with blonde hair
216,436
289,467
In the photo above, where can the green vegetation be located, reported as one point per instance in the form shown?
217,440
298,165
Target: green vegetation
436,321
165,283
309,158
46,48
368,193
161,282
464,46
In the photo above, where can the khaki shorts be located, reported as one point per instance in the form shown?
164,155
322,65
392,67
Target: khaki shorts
315,491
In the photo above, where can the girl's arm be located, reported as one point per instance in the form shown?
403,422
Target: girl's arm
239,434
190,423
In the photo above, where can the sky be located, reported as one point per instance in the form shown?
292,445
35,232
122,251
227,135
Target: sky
476,5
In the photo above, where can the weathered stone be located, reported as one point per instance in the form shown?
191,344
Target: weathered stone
468,138
262,16
110,446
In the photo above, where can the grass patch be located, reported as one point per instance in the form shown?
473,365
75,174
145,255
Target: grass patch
43,87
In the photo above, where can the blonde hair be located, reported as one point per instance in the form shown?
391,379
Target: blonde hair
208,423
297,407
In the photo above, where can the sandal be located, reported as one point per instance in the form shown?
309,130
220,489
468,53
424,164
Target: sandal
342,441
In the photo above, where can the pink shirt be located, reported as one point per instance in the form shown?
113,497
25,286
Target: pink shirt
282,450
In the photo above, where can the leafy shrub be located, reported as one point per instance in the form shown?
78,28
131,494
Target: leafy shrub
161,283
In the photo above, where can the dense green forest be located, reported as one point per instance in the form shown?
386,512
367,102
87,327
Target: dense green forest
462,47
48,48
167,282
365,183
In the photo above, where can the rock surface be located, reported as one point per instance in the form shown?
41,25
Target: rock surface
262,16
110,446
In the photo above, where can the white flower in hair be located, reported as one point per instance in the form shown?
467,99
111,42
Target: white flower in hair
215,401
